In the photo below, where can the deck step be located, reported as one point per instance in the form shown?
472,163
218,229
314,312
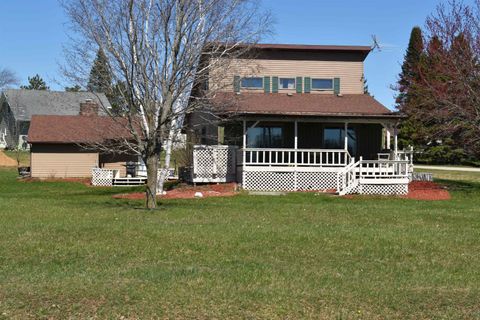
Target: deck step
129,181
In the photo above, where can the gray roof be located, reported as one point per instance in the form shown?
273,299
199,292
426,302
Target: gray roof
25,103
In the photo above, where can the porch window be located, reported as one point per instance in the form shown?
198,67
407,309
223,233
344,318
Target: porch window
270,136
252,83
322,84
333,139
286,83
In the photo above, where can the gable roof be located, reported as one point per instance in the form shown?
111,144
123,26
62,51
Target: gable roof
26,103
301,104
76,129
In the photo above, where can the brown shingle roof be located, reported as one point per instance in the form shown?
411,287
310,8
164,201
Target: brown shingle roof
300,104
76,129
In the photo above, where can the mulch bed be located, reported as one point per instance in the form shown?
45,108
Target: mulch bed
185,191
427,190
417,190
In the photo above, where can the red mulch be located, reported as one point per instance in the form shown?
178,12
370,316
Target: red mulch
427,190
419,190
185,191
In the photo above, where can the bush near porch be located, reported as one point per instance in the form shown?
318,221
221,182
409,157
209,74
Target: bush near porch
68,250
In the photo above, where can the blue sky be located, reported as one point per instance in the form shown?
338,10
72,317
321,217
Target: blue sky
32,33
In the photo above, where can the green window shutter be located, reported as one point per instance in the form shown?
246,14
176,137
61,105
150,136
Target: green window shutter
236,83
299,84
336,85
307,84
266,84
274,84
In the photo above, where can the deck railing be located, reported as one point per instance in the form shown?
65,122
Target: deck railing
295,157
383,169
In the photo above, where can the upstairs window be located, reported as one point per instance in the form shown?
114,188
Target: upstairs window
286,83
322,84
252,83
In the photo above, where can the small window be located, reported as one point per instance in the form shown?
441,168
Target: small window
286,83
322,84
252,83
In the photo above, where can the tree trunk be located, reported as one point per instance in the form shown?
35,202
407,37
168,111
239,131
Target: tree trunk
152,171
166,163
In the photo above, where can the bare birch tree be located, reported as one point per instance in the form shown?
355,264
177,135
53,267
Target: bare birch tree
7,78
160,50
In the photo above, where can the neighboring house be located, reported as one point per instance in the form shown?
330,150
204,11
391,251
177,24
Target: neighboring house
18,106
300,118
71,146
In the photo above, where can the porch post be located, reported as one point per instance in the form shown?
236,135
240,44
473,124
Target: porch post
244,134
388,138
345,135
395,140
244,153
295,146
295,143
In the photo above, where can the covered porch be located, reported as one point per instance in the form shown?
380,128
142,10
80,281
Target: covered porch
347,155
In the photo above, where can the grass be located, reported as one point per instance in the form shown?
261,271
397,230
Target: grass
453,175
71,251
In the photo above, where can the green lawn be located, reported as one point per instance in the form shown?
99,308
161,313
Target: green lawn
71,251
453,175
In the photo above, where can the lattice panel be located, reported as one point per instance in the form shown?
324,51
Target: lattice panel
269,181
102,177
383,189
312,181
214,163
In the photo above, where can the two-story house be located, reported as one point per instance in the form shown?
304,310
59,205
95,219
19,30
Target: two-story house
299,117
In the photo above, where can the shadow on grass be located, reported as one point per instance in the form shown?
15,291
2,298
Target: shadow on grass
457,185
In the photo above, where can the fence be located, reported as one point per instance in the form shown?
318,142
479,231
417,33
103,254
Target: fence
213,164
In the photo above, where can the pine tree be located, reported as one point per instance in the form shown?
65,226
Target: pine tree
365,86
75,88
411,130
35,83
410,66
100,79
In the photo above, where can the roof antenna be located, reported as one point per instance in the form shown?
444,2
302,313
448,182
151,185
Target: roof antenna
376,44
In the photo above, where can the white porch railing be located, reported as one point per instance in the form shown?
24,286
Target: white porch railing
291,169
295,157
375,177
347,180
383,169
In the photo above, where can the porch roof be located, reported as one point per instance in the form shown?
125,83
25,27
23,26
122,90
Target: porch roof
349,105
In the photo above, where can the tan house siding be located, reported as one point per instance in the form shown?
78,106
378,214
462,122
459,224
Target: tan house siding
349,68
61,161
72,161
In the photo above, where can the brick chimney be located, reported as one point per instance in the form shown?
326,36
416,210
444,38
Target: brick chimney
88,108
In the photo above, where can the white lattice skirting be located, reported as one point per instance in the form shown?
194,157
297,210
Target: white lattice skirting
214,163
102,177
383,189
289,181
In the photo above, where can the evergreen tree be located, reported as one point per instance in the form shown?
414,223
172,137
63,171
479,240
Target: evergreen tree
75,88
35,83
365,86
410,66
411,130
100,79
